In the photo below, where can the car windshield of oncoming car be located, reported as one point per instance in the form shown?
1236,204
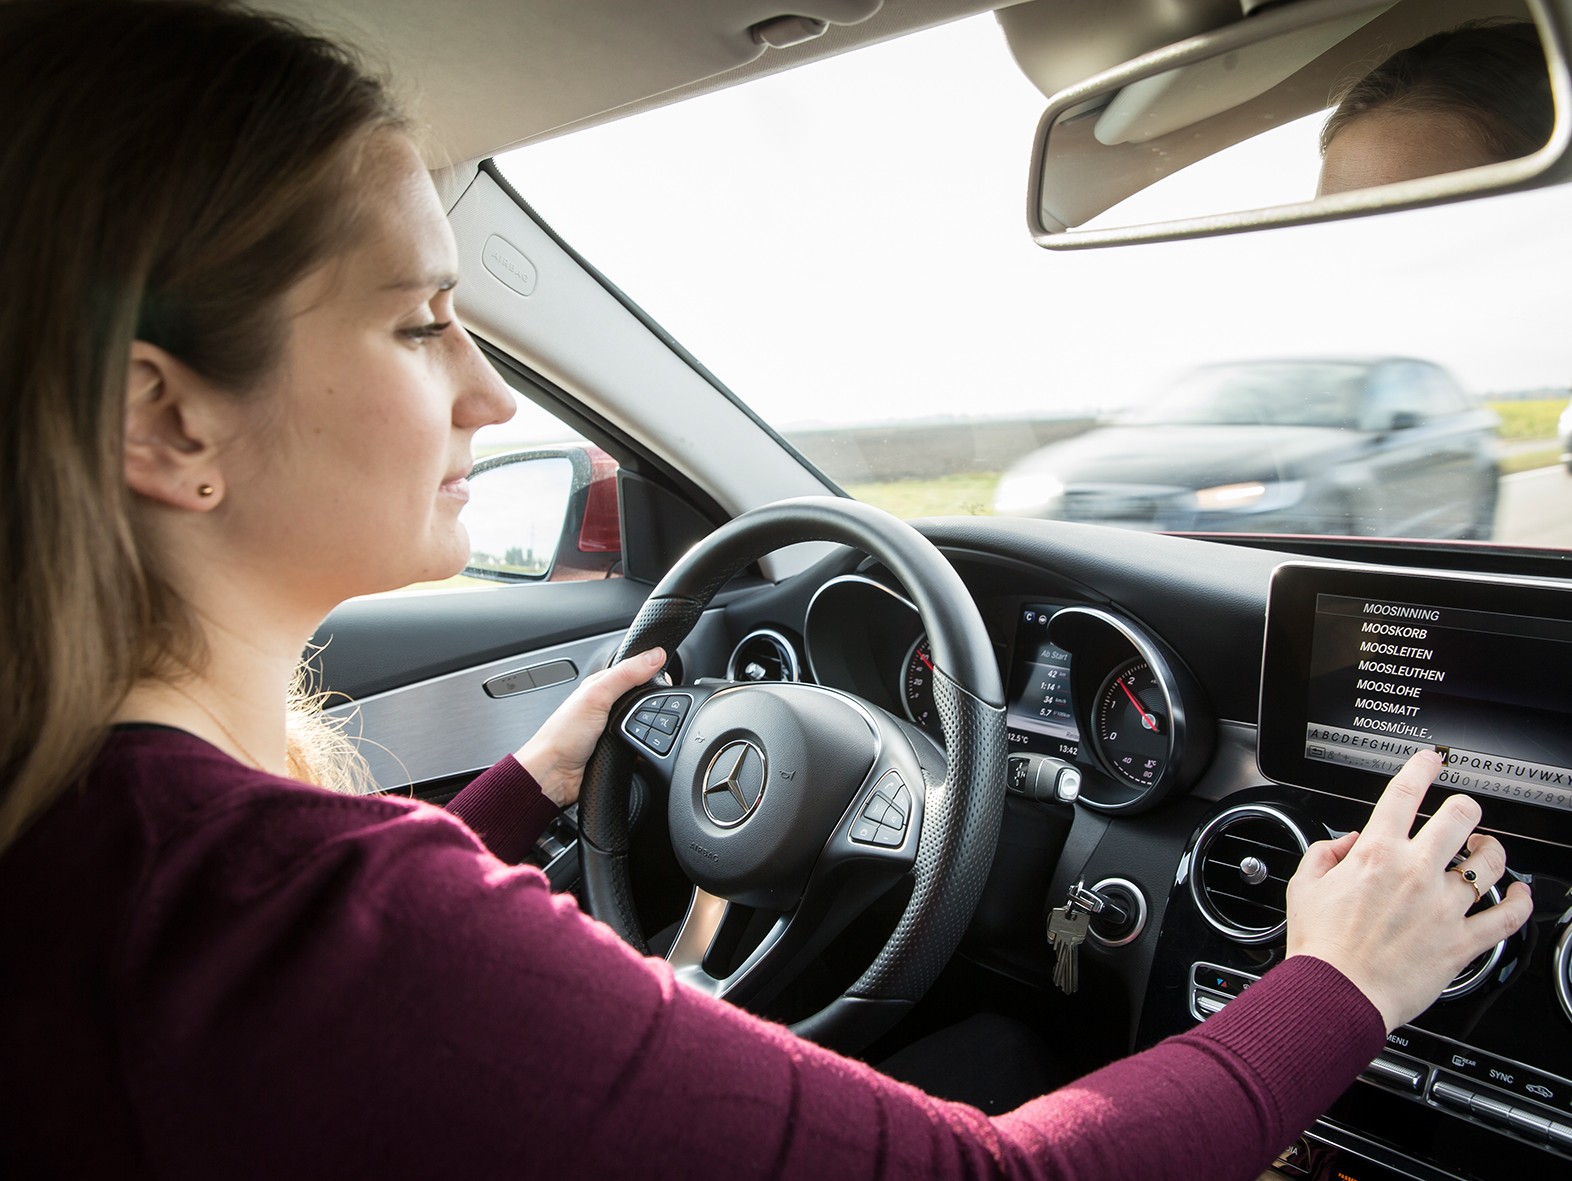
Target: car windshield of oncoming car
843,245
1307,394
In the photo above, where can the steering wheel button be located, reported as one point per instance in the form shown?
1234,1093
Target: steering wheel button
874,809
666,723
639,730
647,716
864,832
677,704
888,837
652,703
903,802
659,742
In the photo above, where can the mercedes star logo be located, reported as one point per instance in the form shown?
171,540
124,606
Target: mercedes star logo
734,783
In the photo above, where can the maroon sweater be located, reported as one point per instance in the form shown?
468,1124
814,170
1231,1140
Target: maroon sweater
209,972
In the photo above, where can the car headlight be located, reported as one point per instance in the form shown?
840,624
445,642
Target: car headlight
1230,496
1026,492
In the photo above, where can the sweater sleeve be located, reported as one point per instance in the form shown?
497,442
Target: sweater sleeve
506,809
343,987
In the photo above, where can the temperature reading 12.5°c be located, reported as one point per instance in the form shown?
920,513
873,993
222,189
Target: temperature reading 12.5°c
1131,724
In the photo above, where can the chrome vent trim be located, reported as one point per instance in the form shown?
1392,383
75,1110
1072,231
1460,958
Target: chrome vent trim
1483,966
769,653
1231,891
1564,968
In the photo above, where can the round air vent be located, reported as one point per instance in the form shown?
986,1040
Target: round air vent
1483,966
1564,968
763,655
1239,876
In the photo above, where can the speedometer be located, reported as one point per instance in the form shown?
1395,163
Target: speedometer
917,686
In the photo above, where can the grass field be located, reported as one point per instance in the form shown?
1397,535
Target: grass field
1529,420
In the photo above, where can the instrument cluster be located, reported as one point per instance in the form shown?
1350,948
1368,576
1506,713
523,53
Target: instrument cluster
1087,687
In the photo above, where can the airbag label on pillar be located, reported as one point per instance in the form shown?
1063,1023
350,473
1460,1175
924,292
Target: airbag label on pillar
507,262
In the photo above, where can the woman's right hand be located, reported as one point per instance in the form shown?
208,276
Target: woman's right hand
1383,909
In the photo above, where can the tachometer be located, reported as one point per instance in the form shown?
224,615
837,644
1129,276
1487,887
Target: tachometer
1131,726
917,686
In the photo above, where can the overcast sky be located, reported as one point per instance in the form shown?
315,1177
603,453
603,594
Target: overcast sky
847,241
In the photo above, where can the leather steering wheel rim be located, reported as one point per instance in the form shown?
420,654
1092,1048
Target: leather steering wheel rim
963,812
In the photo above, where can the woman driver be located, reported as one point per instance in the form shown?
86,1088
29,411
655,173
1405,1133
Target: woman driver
236,394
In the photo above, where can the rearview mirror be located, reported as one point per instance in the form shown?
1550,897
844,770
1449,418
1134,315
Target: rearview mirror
1222,132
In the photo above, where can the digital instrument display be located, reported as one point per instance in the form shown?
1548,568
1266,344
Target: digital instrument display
1039,713
1362,668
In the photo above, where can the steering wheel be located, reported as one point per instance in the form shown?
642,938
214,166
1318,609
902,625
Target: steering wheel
801,801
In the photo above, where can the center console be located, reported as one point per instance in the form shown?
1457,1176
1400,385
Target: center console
1361,668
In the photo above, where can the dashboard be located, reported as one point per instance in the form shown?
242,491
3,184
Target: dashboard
1184,720
1185,717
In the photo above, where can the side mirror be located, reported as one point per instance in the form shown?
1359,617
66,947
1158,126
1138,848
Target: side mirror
1219,133
1404,420
544,515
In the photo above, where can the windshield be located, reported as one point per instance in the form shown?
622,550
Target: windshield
1307,394
844,246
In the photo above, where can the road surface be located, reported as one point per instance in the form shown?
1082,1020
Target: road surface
1536,508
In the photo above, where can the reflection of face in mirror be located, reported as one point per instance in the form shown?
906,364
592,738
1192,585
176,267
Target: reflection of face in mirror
1474,95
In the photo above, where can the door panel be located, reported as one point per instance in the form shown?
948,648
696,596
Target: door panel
415,665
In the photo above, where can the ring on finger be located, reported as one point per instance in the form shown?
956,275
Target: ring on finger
1471,877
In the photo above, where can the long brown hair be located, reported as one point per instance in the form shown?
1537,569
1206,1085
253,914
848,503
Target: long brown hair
168,172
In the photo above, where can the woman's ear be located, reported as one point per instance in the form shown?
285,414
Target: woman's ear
171,431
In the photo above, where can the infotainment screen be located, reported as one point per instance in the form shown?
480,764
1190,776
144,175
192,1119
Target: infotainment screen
1364,667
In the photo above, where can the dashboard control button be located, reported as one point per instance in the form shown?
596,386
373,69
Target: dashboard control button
1529,1123
1067,787
1207,1005
1489,1107
1294,1161
1452,1095
1223,980
1404,1075
1561,1135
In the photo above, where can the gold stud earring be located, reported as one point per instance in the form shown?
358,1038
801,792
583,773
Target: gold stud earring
204,490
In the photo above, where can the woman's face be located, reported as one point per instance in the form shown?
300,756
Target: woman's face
1382,147
351,473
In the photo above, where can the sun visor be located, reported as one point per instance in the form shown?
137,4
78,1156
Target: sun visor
1185,95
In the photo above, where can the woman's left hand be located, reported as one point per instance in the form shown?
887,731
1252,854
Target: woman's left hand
557,755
